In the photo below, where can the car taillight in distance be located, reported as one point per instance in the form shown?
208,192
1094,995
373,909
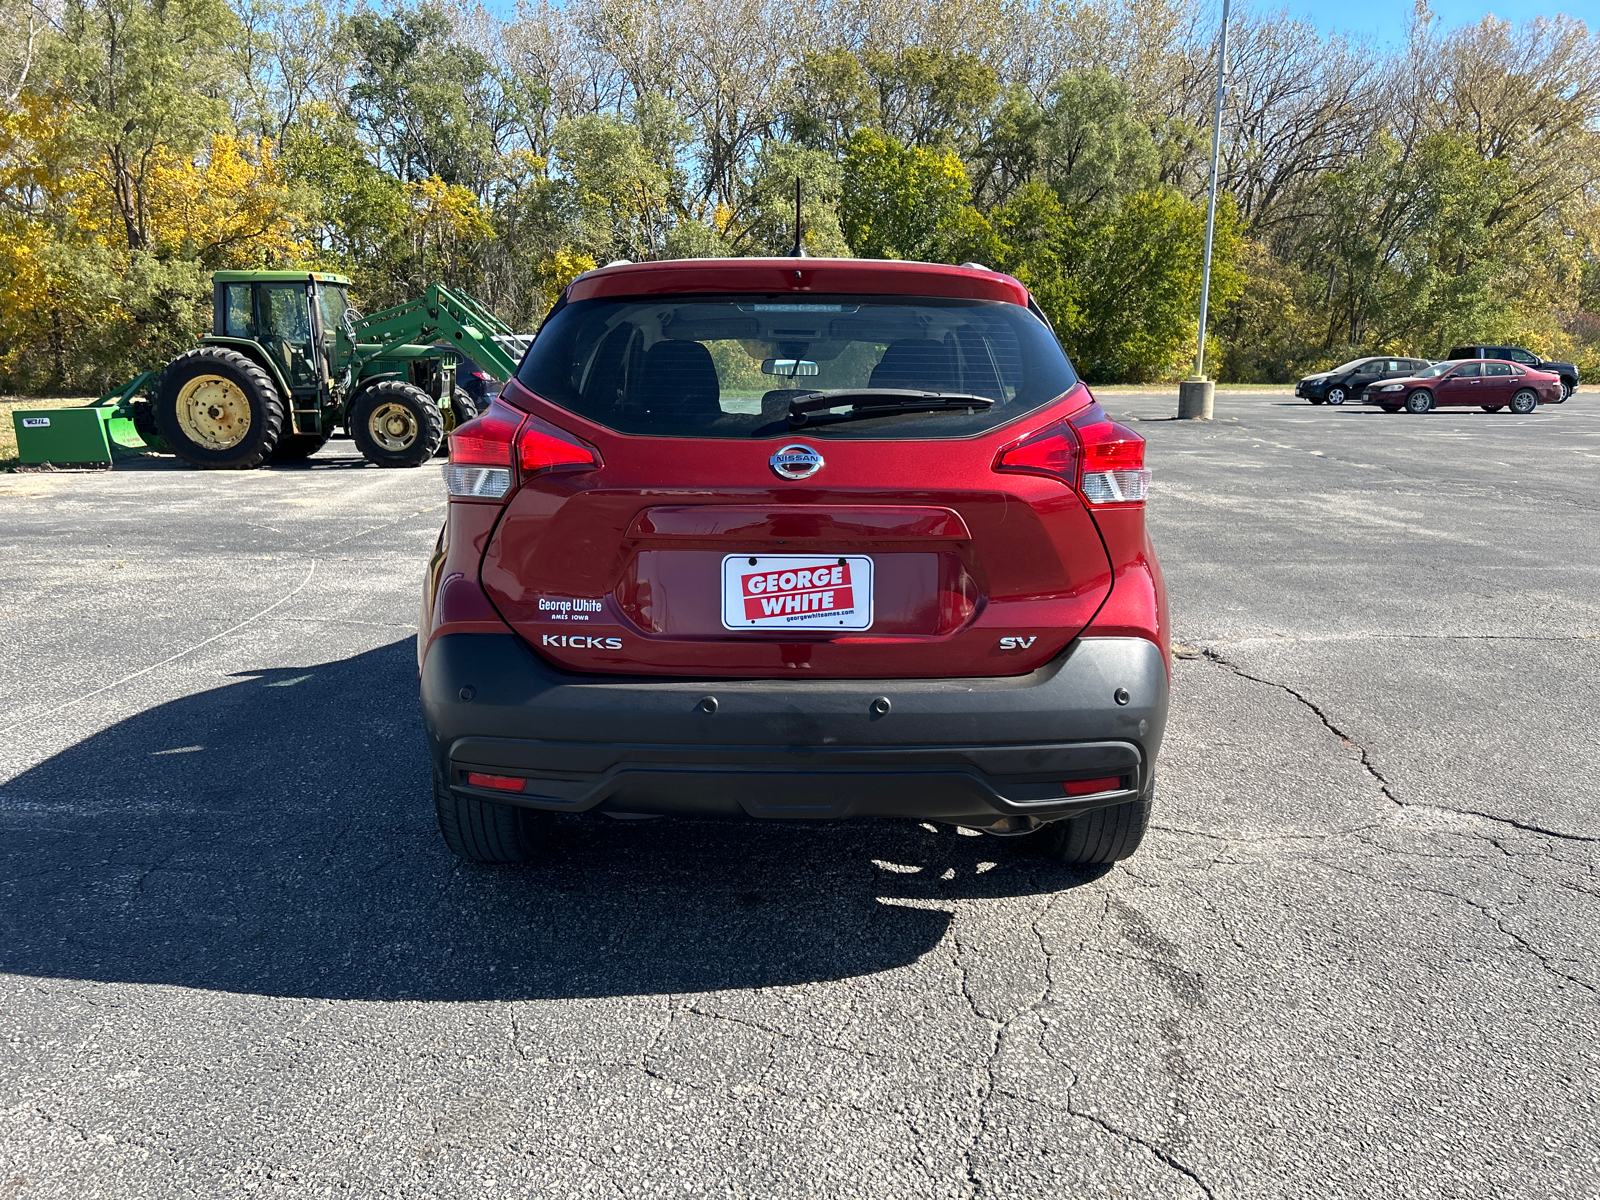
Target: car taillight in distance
1088,451
488,453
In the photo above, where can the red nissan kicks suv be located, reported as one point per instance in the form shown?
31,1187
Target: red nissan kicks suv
795,538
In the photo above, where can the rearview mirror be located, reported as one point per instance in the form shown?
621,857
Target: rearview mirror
788,367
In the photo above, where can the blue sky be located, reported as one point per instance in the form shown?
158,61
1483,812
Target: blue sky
1385,20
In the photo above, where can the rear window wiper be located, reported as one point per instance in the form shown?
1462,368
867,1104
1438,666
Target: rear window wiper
879,402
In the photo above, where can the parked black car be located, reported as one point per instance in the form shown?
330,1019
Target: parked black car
477,383
1527,358
1348,380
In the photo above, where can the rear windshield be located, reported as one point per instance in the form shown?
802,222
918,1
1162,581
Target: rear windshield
728,366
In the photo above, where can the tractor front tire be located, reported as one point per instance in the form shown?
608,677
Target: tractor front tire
395,424
217,409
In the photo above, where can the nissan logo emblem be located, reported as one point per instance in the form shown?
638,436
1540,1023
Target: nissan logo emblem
796,462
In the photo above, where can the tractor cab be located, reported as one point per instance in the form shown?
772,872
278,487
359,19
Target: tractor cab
294,318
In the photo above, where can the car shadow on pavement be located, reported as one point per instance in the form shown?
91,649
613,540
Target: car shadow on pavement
275,836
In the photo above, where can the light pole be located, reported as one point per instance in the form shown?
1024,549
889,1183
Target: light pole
1195,394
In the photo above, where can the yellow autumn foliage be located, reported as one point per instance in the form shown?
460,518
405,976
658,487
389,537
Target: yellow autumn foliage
228,208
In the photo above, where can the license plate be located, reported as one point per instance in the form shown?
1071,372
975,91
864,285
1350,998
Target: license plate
792,591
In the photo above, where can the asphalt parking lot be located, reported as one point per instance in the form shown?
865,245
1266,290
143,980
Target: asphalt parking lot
1358,957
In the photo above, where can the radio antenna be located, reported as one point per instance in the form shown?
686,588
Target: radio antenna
799,250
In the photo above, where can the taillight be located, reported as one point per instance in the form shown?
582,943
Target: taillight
480,454
487,452
1113,470
542,447
1088,451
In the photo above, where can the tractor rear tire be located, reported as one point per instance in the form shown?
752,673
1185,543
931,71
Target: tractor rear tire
217,409
395,424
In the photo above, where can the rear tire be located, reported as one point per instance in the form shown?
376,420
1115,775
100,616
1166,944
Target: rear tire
1566,390
1390,408
217,409
1103,835
395,424
1491,407
1524,402
1420,401
486,832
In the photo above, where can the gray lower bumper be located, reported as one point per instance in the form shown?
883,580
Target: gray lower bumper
967,751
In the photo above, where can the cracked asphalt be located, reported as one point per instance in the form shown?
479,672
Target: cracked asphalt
1356,958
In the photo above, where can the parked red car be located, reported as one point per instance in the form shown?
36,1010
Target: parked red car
796,538
1491,384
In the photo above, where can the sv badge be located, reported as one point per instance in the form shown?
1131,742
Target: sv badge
1017,643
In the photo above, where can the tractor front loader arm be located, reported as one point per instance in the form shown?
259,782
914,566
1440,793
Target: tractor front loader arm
439,314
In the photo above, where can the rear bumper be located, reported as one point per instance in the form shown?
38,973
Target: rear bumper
982,752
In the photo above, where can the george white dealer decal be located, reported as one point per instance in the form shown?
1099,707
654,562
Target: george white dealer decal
569,608
578,641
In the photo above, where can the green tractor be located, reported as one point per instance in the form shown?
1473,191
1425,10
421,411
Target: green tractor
287,360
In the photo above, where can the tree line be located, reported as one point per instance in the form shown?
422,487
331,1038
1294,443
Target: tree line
1372,200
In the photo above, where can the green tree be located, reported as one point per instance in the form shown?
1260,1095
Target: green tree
763,223
617,194
142,77
1121,284
426,102
903,201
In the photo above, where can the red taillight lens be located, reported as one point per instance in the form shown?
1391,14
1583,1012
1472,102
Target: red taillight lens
486,440
1113,460
482,457
1090,787
1088,451
542,447
1053,452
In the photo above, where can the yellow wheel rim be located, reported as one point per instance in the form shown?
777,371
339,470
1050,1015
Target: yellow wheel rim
393,426
213,412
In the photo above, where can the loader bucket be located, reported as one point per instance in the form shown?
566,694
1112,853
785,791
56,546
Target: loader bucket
87,436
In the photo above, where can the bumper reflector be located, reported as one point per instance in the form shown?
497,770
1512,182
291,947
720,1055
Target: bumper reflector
503,783
1090,787
487,483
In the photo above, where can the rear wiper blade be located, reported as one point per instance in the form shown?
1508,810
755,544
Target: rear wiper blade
879,402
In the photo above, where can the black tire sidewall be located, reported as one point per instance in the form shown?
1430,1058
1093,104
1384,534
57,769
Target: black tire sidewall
430,421
1411,406
1522,412
266,408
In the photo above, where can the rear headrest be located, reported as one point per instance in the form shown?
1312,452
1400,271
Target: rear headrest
678,378
916,363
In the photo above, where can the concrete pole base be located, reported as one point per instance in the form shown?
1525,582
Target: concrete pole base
1194,399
